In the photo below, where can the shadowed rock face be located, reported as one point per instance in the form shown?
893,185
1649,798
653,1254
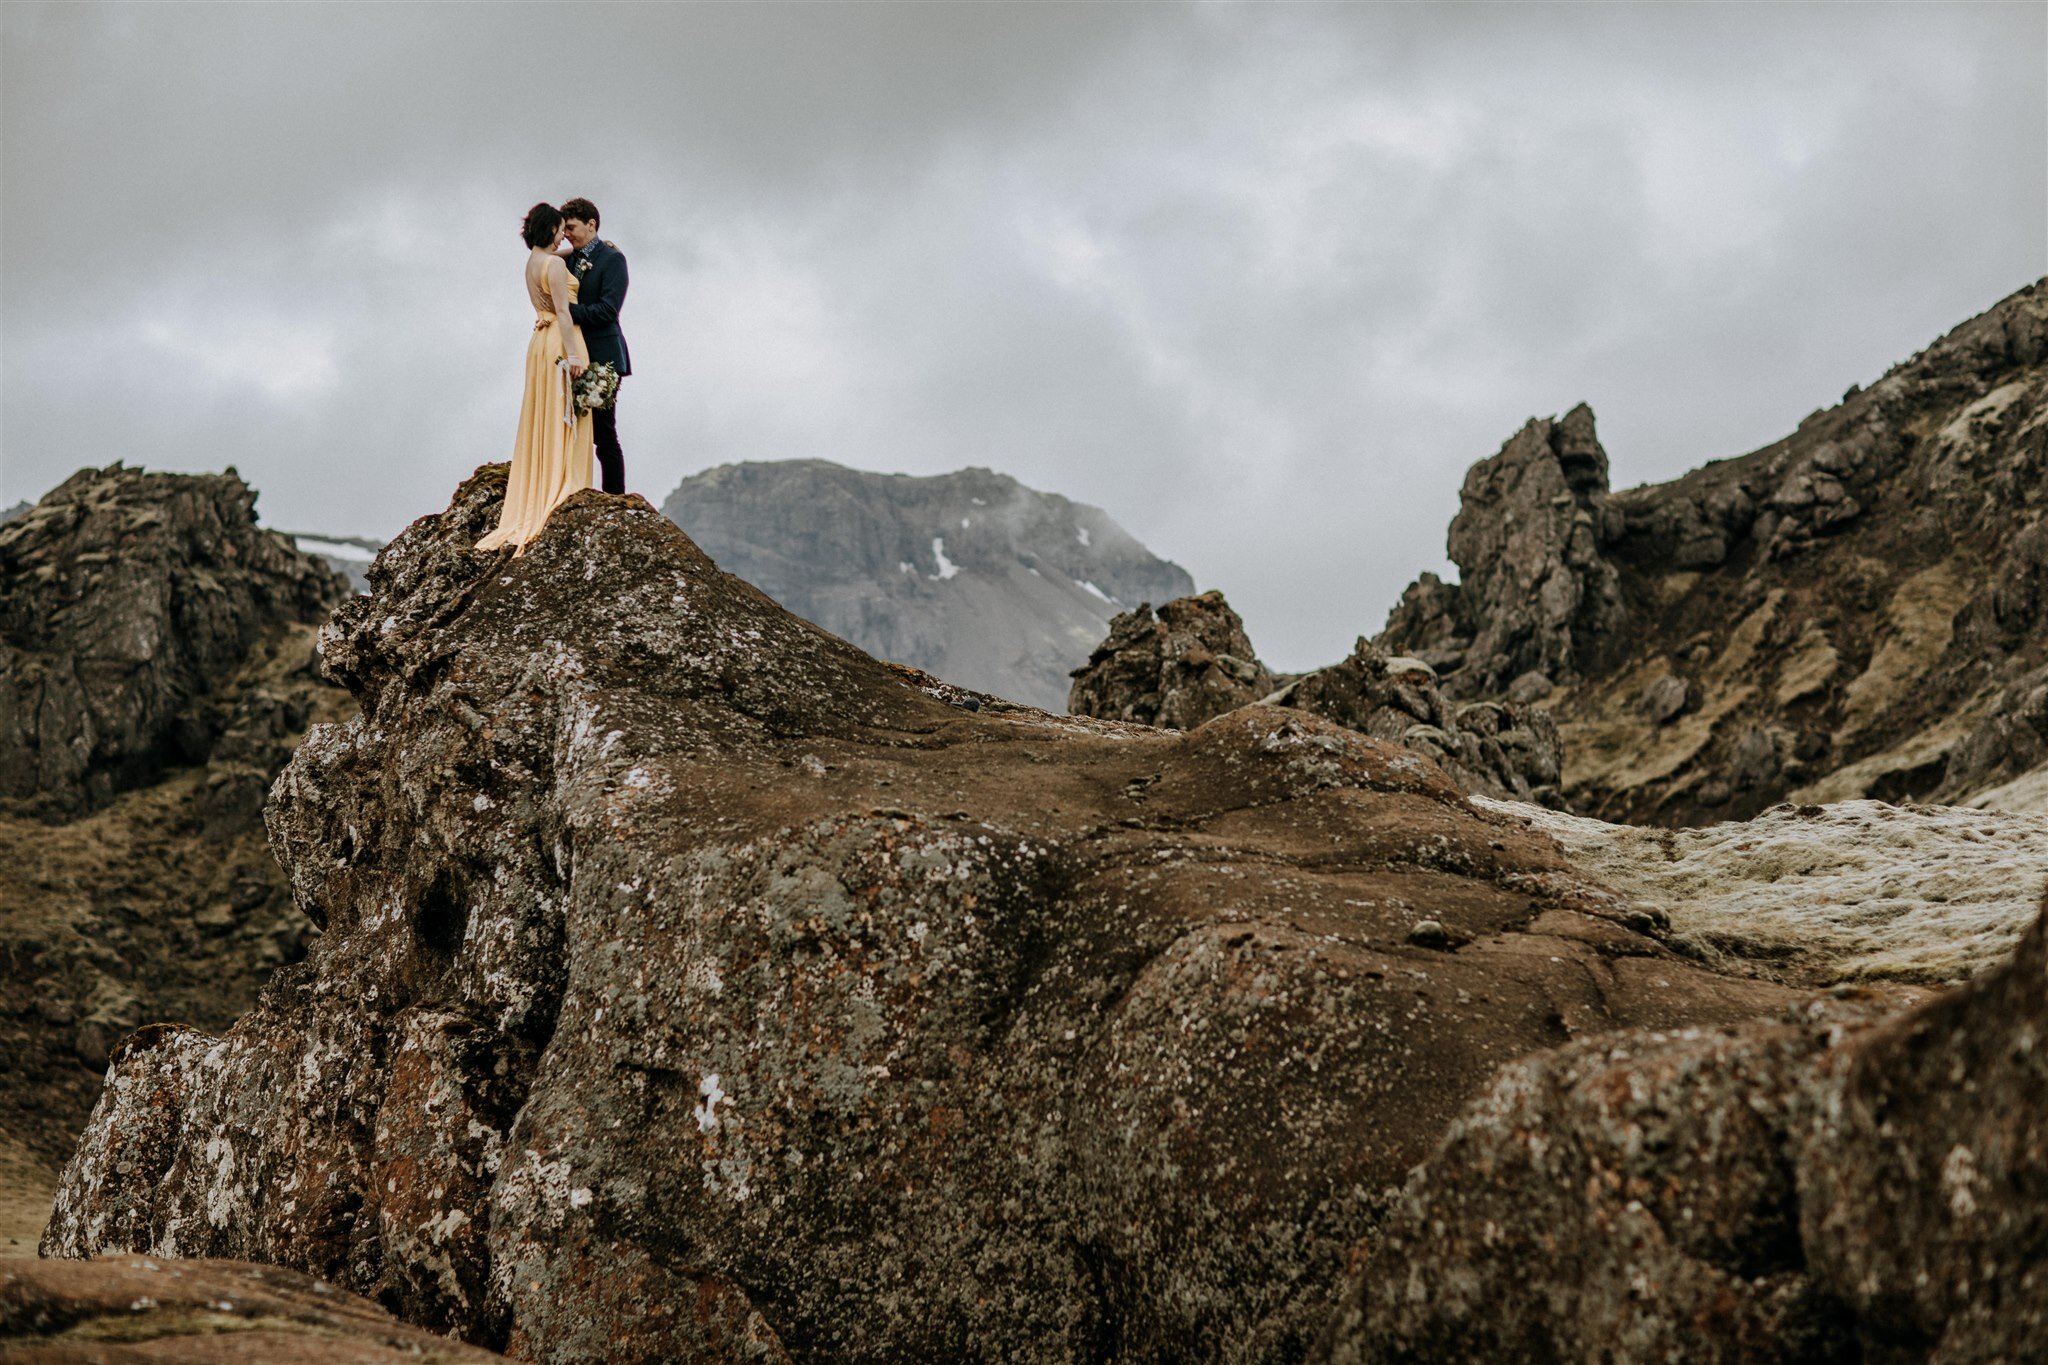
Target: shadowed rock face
696,988
1191,662
1853,611
125,596
1822,1187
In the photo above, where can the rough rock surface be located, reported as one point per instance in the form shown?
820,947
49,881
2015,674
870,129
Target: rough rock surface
969,575
696,988
1191,661
1819,895
1535,593
125,596
1826,1187
152,634
1181,666
1853,611
126,1310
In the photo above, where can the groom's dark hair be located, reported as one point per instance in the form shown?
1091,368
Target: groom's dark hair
581,209
543,224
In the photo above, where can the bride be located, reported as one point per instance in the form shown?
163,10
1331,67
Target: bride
551,455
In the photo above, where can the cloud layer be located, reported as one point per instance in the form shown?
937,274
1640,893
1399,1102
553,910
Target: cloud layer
1260,280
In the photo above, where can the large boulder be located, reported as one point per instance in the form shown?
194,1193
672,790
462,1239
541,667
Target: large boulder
1832,1185
696,988
125,596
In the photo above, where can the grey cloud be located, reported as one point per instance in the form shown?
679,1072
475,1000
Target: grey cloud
1260,280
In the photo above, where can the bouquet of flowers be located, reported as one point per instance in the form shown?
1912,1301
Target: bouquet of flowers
596,387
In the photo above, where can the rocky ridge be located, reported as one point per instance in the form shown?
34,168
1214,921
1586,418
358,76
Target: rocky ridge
1853,611
1191,661
125,595
156,652
694,987
970,576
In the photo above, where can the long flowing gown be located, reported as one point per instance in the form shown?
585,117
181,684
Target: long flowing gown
551,455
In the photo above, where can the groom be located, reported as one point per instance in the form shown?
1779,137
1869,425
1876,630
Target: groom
600,269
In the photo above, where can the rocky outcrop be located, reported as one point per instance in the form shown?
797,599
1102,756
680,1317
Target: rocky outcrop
9,514
1192,661
125,597
696,988
1829,1186
1180,667
1536,597
155,674
1848,612
970,575
123,1309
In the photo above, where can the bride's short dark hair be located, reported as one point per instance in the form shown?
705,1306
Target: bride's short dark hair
543,225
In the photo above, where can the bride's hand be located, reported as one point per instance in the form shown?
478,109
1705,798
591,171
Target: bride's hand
577,367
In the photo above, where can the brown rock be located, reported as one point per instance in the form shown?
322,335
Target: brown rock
695,987
1873,577
1834,1185
1190,663
120,1309
1535,595
1195,660
125,597
135,880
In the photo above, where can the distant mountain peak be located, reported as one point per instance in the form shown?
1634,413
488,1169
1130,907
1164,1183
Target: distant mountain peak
969,575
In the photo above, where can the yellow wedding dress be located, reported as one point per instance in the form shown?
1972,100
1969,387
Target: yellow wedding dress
551,455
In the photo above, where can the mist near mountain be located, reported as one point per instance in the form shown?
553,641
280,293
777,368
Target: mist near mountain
969,575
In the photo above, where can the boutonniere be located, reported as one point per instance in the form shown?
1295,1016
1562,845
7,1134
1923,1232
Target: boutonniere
582,264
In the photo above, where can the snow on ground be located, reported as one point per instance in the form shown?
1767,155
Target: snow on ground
1854,890
947,568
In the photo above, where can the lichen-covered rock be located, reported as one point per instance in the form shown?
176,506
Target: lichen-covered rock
1823,895
156,651
1492,748
119,1310
1849,612
1535,592
696,988
1832,1186
125,597
1193,662
1188,663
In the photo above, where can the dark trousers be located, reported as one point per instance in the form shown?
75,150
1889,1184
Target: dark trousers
611,461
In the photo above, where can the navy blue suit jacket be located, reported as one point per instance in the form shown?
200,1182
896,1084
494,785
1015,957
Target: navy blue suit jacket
601,292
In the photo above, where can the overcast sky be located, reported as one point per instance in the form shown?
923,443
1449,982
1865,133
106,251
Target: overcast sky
1260,280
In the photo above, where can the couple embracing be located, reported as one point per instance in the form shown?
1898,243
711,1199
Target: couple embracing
573,365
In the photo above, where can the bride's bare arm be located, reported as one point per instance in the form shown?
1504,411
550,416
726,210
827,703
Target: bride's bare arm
572,340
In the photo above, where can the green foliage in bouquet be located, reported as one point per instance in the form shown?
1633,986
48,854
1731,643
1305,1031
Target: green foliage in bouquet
596,387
